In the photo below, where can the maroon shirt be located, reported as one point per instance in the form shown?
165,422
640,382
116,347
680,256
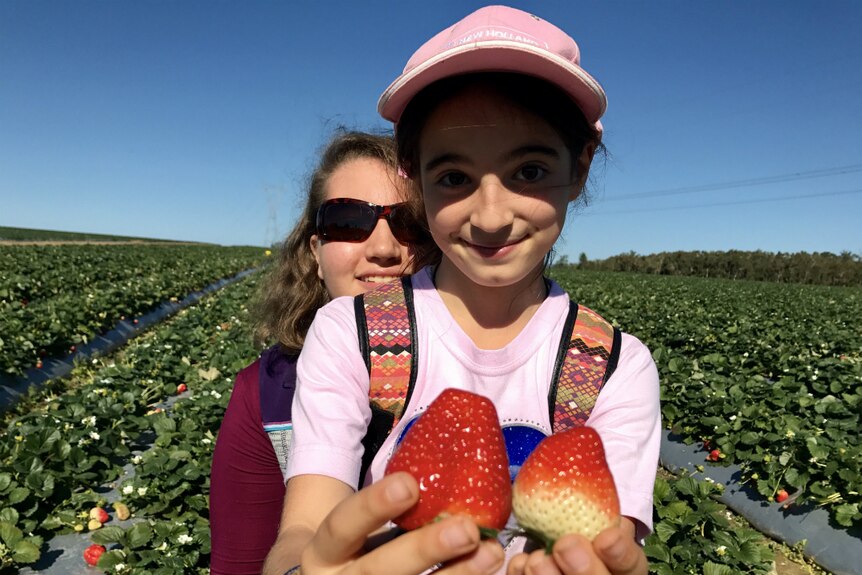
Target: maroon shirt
246,486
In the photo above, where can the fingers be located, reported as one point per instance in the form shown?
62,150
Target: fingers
344,531
619,551
453,541
575,556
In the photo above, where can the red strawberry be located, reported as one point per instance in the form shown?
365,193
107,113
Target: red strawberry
92,554
182,388
781,496
457,453
38,364
99,514
714,455
565,487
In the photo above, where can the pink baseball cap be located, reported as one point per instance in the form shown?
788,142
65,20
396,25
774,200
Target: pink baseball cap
498,39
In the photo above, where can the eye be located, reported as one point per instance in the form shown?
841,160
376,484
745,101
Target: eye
453,179
531,173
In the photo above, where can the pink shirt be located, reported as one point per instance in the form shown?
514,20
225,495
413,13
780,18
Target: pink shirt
331,411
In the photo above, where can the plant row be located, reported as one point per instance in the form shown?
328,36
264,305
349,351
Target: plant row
65,442
74,436
53,298
764,375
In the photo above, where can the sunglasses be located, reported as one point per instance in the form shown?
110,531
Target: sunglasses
351,220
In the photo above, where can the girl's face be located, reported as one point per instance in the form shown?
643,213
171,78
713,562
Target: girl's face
348,268
496,181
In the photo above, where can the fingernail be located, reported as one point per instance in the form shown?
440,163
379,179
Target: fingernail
574,557
487,558
396,492
457,536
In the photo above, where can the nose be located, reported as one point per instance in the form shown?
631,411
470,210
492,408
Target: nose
491,211
382,247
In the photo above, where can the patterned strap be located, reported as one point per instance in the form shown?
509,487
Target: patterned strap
389,326
590,359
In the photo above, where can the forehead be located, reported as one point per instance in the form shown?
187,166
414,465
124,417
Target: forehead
480,112
366,179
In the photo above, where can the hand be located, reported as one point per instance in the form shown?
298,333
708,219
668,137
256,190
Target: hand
341,543
613,552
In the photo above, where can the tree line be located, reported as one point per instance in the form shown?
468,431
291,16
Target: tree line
822,268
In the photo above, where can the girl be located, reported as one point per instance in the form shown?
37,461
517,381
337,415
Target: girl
497,125
247,484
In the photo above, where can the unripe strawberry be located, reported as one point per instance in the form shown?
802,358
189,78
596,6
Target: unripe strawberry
92,554
565,486
94,524
122,512
99,514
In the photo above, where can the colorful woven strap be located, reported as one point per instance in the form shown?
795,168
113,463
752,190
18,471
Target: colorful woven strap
584,370
389,344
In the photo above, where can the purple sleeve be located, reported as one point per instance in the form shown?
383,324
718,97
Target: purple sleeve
246,488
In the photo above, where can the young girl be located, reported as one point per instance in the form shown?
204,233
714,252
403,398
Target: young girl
247,484
497,125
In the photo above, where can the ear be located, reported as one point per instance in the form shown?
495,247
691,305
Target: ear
582,170
314,244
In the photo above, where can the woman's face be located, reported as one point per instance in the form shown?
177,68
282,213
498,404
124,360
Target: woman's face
496,181
348,268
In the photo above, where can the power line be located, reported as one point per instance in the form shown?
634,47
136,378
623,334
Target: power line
718,204
807,175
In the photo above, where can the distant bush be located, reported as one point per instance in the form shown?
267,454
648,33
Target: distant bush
821,268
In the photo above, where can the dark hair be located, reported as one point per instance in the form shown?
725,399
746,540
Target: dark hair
535,95
292,292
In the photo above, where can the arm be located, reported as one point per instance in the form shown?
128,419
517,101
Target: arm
307,502
340,543
246,489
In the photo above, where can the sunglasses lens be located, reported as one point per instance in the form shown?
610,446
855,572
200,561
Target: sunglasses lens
403,224
345,222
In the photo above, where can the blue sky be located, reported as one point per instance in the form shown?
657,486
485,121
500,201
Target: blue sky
199,120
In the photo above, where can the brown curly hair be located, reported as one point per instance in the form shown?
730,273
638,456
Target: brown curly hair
292,292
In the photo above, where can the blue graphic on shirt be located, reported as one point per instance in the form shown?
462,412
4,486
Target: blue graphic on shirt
520,439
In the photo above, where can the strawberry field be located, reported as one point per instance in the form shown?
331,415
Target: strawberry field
55,297
769,375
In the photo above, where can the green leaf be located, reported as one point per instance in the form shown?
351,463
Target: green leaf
710,568
5,481
845,514
139,535
18,495
657,552
9,534
110,559
111,534
25,552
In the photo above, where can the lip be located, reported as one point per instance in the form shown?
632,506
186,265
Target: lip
377,278
493,252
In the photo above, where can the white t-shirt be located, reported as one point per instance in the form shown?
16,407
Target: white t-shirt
331,412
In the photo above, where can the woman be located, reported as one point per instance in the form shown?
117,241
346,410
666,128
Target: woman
347,240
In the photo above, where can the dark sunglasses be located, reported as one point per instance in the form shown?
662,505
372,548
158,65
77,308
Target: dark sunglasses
351,220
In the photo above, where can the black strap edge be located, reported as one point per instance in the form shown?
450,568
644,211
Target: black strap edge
562,350
407,286
362,330
614,358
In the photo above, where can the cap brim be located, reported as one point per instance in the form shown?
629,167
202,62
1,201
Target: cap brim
496,56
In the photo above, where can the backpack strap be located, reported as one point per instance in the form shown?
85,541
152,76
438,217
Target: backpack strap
386,324
587,357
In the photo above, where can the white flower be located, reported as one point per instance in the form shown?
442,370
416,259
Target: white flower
206,441
215,394
163,546
733,418
137,459
128,489
120,567
89,421
184,539
83,441
142,491
95,436
721,549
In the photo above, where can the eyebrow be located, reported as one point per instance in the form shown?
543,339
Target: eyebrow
514,154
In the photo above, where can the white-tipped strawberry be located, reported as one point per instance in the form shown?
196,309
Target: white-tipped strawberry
565,487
